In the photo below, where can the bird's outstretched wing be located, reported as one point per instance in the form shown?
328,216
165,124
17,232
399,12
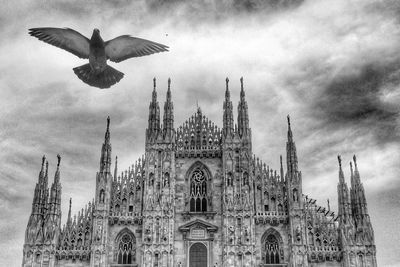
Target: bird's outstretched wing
125,46
66,38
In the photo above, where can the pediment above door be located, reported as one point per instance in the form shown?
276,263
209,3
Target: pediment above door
198,230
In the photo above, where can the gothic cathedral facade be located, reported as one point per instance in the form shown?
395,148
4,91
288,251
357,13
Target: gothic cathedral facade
199,198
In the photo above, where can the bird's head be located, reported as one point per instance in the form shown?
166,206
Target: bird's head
96,36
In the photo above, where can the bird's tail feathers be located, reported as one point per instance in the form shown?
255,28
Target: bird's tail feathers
105,79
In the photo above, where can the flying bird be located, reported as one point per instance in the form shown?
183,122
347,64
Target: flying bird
97,73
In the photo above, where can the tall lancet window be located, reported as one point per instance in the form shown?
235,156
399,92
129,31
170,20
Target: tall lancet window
271,250
126,249
198,191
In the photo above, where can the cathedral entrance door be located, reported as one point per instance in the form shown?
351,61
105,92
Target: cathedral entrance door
198,255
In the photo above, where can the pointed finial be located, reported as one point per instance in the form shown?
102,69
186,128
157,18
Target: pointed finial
241,87
69,211
154,83
169,84
108,123
116,168
351,168
329,206
227,93
59,160
355,161
43,160
290,135
340,161
280,158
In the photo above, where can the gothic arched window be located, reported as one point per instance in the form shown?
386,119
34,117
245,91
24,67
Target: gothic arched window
271,247
126,249
198,191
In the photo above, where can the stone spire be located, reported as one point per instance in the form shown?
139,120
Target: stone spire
55,194
116,168
57,174
154,114
34,230
69,218
358,200
343,197
228,127
168,121
281,165
41,190
105,159
291,154
243,116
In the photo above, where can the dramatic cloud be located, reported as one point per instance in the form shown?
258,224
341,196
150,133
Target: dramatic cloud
334,66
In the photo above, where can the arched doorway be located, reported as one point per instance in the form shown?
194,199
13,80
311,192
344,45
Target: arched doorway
198,255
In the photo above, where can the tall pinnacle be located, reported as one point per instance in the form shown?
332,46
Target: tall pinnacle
281,163
105,159
57,174
341,175
154,113
107,134
227,93
69,218
290,134
228,112
169,88
116,168
46,175
356,173
242,95
154,87
243,116
168,121
42,170
343,196
291,154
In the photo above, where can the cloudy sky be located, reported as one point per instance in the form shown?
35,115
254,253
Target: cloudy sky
333,65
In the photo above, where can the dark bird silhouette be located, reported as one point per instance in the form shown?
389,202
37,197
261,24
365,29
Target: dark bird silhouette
97,73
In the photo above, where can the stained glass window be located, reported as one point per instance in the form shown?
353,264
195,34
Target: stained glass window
198,192
126,253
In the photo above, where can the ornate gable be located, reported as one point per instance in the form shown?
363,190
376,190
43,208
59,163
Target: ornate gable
198,137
